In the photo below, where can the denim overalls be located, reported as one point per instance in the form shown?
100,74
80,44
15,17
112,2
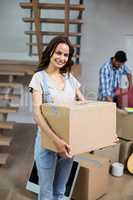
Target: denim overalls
53,170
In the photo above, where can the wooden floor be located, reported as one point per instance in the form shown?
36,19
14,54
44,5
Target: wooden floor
14,175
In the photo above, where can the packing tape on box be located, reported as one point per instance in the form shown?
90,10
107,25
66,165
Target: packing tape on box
54,110
88,160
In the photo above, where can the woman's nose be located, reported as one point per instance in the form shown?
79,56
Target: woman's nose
62,57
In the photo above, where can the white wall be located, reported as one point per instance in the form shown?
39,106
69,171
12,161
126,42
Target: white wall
12,38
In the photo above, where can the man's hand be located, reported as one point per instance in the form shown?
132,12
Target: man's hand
116,139
122,111
109,98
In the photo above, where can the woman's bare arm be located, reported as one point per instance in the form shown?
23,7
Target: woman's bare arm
80,95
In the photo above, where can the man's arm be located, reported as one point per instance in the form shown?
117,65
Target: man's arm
129,77
127,72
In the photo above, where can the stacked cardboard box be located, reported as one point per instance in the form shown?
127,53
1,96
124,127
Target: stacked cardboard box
125,132
111,152
125,150
92,181
124,125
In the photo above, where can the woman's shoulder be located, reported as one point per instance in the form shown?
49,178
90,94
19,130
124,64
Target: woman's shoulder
68,75
38,75
37,78
72,80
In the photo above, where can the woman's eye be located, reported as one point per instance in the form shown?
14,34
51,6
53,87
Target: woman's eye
66,55
58,53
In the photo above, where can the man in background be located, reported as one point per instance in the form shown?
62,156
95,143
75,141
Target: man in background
110,76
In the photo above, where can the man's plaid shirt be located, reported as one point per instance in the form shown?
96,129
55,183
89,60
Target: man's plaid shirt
110,79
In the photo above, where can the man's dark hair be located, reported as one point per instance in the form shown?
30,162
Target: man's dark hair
120,56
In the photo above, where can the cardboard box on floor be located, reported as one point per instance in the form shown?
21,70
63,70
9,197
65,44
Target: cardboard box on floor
125,148
111,152
124,124
92,181
85,127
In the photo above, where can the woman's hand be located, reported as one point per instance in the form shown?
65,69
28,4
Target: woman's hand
63,148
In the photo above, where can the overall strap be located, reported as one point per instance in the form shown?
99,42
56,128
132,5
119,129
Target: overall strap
47,98
71,82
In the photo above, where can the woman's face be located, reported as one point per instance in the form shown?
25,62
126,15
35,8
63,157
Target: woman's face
60,55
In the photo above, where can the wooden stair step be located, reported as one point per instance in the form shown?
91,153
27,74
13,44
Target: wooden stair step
6,125
45,44
15,71
74,56
53,20
12,73
17,67
3,158
56,6
9,96
9,85
5,140
17,63
73,34
8,109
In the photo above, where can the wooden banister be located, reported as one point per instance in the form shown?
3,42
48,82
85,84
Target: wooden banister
53,20
72,34
36,13
54,6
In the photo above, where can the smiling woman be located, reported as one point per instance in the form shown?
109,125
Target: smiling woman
53,82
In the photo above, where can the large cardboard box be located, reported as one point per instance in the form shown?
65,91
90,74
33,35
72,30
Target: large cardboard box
124,124
85,127
92,181
111,152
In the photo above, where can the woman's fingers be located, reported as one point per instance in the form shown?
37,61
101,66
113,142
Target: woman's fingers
68,150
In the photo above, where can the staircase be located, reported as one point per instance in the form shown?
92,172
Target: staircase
69,23
6,96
